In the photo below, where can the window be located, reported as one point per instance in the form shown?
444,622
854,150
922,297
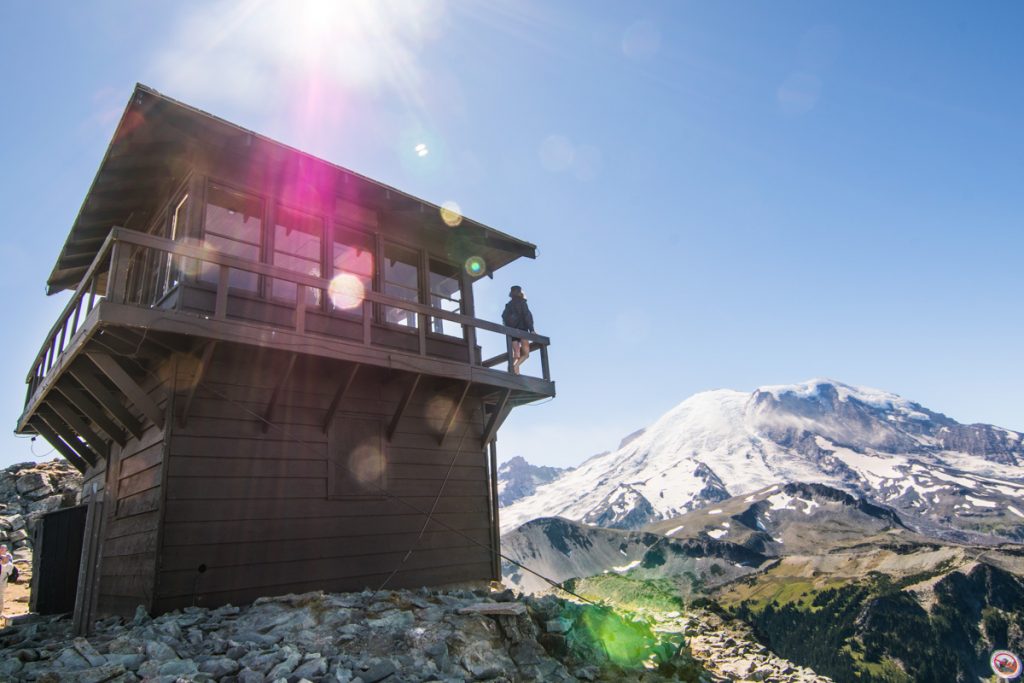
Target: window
298,246
356,461
352,266
234,226
446,294
401,281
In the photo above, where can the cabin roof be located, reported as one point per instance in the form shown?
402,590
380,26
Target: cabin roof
153,148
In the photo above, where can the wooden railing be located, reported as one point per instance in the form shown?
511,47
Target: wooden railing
123,248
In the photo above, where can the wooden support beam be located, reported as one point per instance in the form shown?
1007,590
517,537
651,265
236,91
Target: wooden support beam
403,404
501,411
44,431
268,415
67,412
339,394
80,448
204,363
453,413
110,403
92,410
135,394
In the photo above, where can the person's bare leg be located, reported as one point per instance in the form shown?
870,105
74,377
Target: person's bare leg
515,356
524,353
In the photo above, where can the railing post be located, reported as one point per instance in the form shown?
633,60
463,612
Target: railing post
220,308
421,324
92,293
545,369
78,311
63,336
300,308
508,346
367,318
117,276
471,343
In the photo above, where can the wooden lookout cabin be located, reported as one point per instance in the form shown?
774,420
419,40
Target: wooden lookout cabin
271,373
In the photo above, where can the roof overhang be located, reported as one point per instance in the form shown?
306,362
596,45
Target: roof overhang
159,140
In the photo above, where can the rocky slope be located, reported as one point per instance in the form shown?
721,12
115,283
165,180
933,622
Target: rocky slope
961,482
27,492
392,636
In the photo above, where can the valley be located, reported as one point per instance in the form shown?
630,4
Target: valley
866,552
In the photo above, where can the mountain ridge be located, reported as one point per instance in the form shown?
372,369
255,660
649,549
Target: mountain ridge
944,478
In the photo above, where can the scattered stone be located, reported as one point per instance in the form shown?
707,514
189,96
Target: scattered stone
492,608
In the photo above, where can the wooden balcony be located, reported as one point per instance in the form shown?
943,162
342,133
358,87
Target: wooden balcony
126,297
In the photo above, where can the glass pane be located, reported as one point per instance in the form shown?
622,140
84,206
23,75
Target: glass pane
401,281
352,271
297,246
233,225
446,294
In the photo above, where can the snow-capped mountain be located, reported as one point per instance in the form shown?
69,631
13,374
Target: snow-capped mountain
943,477
518,479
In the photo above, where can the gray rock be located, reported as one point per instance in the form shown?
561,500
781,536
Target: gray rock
40,507
236,652
283,669
70,659
250,676
16,536
10,666
93,675
395,620
85,648
313,667
33,483
178,667
219,666
377,672
132,662
141,616
260,661
160,651
558,625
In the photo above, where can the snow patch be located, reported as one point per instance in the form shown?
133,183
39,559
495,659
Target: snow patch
981,503
627,567
674,529
717,533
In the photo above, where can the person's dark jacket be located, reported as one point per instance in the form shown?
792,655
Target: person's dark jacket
517,314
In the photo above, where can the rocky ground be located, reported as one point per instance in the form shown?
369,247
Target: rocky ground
730,650
393,636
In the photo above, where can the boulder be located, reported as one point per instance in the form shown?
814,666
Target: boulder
34,485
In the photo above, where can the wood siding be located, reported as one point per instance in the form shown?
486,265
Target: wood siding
248,511
132,514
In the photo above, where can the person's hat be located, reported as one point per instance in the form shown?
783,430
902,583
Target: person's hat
515,291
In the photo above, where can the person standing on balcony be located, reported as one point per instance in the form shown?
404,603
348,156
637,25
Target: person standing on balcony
517,315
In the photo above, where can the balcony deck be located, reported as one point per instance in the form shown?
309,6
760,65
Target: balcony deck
109,307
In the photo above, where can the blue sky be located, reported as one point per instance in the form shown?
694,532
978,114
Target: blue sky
724,195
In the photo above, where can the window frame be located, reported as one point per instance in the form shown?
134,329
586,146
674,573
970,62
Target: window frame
265,218
272,251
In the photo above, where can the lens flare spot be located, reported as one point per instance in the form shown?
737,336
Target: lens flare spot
451,214
476,266
366,464
346,291
421,150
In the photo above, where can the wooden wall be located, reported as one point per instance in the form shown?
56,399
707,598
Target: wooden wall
248,513
132,516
